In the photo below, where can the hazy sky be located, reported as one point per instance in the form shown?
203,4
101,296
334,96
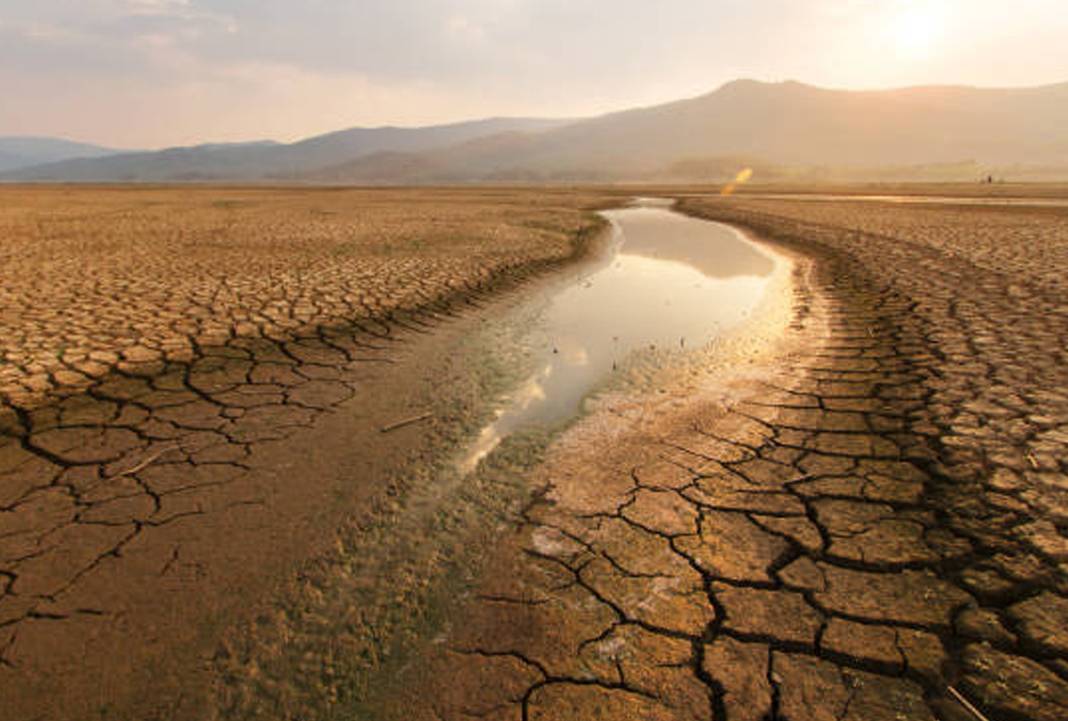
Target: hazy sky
148,73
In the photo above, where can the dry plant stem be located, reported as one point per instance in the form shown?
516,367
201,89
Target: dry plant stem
967,704
406,422
145,463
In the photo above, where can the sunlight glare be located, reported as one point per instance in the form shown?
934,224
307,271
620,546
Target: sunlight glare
917,29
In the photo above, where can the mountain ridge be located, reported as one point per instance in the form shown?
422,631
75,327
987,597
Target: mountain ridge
786,124
18,151
260,160
790,124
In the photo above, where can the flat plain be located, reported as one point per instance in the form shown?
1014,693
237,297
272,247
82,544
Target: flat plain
870,523
103,278
158,344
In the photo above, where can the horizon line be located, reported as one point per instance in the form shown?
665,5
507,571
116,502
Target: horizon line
527,116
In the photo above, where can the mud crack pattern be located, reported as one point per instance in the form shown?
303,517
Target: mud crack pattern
98,279
879,522
203,327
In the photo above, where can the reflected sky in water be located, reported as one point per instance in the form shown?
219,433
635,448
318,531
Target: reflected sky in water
670,282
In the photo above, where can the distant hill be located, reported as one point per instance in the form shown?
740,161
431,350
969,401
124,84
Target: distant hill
781,130
20,152
267,160
781,126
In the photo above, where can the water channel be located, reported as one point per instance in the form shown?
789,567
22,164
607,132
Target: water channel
664,280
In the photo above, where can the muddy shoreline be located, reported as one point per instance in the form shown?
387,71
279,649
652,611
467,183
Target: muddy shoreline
856,529
199,487
435,561
857,514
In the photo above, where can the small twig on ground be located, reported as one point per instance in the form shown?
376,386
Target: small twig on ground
1032,460
405,422
147,461
136,467
966,704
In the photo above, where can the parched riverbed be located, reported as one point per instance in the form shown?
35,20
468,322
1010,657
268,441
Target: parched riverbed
841,497
654,296
660,281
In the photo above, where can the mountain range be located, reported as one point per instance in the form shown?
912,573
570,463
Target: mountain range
20,152
779,129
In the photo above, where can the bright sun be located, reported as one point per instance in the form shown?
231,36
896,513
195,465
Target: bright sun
916,29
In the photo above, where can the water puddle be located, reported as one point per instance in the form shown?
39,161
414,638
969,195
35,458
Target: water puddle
666,281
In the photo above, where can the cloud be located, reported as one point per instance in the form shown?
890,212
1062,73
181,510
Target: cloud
463,29
156,6
558,57
47,33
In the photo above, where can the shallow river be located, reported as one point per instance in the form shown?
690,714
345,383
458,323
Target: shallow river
665,281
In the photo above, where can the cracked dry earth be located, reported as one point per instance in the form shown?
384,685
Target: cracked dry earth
103,279
872,527
183,387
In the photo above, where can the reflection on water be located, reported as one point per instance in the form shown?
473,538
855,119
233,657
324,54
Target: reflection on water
669,282
715,251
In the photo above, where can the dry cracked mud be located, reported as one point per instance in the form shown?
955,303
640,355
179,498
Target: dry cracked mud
185,375
873,526
869,525
104,279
